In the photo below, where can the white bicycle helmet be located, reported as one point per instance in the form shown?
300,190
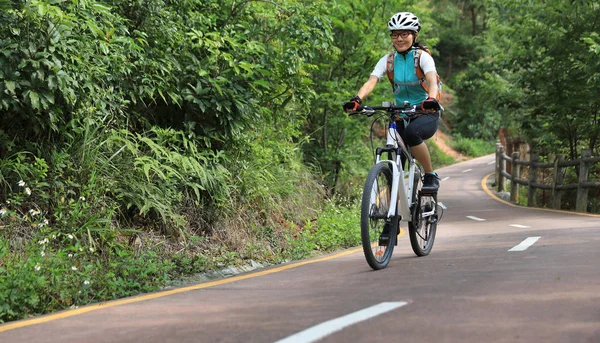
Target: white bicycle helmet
404,21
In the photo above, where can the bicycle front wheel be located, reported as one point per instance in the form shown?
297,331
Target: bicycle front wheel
378,232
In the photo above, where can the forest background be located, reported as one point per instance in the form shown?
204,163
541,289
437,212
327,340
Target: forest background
146,141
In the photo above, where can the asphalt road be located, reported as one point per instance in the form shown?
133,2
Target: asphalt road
497,273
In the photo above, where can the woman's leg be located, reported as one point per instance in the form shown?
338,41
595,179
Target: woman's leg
419,129
421,153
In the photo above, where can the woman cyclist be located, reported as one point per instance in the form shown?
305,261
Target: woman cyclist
404,30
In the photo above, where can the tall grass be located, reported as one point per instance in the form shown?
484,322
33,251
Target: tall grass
472,147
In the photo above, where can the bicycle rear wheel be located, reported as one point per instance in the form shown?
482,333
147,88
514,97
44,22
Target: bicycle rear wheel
378,232
423,226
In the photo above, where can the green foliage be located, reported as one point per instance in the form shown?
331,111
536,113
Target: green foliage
338,227
438,157
146,140
537,66
60,271
336,143
164,168
57,62
472,147
458,23
216,72
555,79
484,100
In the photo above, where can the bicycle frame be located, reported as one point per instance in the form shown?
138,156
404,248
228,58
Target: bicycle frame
399,189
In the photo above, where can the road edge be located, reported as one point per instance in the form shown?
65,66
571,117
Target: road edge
493,195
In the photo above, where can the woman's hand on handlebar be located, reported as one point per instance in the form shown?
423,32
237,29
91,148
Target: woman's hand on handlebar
352,105
430,104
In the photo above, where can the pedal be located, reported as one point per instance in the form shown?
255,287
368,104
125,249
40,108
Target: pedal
428,192
384,237
384,240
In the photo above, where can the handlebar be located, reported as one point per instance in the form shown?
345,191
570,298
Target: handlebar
405,110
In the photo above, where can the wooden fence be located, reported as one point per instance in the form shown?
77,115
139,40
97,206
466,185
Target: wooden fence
556,185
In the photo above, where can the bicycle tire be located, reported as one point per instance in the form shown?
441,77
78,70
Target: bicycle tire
422,230
375,205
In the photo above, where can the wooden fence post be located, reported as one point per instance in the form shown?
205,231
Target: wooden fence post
533,160
582,192
499,167
558,180
514,175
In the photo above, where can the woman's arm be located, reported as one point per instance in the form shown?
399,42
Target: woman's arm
432,86
368,87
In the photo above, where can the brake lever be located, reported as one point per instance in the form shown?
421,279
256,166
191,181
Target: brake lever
368,113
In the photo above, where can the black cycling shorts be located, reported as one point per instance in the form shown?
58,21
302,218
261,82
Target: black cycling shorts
418,129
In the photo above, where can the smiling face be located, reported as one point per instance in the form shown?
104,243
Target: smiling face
403,40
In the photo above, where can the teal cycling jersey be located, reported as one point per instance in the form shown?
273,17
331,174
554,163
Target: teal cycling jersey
406,81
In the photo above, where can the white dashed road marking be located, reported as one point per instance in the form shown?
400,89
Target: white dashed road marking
475,218
520,226
525,244
491,163
466,171
317,332
446,178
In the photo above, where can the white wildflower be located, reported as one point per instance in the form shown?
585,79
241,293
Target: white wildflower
70,255
2,211
28,191
86,282
74,307
37,267
53,236
43,254
70,236
22,183
91,249
73,268
82,198
80,249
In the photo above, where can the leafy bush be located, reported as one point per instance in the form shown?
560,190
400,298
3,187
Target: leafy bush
143,141
61,271
338,227
162,168
472,147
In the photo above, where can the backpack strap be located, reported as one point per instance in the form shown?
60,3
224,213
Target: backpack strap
421,74
390,67
418,70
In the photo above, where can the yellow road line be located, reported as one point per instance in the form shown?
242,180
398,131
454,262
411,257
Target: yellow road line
495,197
160,294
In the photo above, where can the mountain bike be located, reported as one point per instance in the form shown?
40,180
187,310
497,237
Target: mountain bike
393,193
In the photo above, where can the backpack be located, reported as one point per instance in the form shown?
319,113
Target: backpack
418,70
